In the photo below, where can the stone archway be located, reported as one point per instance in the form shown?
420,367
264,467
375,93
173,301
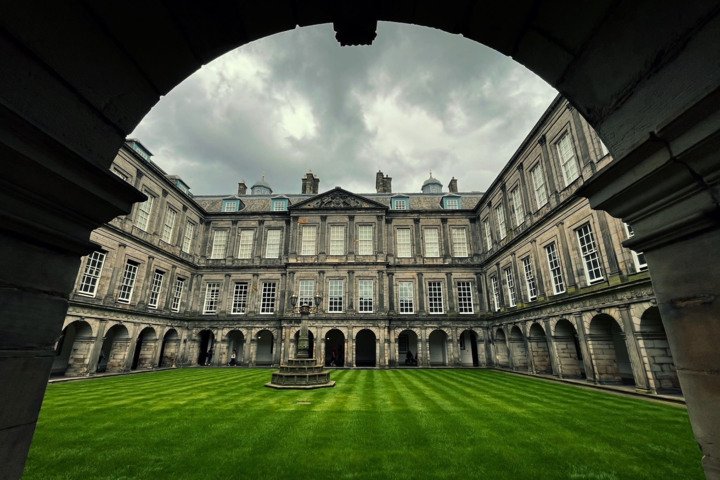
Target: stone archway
206,347
144,354
236,345
468,343
654,342
170,348
72,352
539,349
607,346
365,348
334,348
114,350
407,349
502,353
518,349
437,342
265,347
569,353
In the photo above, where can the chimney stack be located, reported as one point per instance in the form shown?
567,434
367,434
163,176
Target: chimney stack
383,183
310,184
242,188
452,186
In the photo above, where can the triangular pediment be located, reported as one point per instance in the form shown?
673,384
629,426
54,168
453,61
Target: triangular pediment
338,199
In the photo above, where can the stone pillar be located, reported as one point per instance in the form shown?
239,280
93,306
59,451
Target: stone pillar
538,269
417,237
133,332
380,235
552,351
642,383
351,292
116,275
588,361
232,246
350,348
351,235
225,302
322,242
391,293
475,246
446,253
96,347
481,292
258,251
292,234
524,191
390,245
565,258
549,169
450,293
169,285
381,307
421,293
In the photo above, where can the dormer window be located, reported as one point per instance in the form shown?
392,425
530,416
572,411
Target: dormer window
451,203
400,203
279,204
230,205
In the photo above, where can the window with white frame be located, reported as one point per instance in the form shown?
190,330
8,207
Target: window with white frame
272,243
495,288
638,257
458,237
279,204
155,288
308,240
568,160
366,240
555,268
188,237
516,205
530,282
432,242
128,281
212,295
406,297
464,297
230,205
142,220
487,233
336,295
306,292
91,275
169,226
403,241
451,203
435,297
590,254
219,244
366,295
267,300
177,294
240,298
337,240
500,215
538,180
400,203
510,286
245,248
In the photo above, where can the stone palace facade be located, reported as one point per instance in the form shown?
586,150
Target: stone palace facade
524,276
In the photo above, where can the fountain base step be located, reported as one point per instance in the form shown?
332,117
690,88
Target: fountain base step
301,374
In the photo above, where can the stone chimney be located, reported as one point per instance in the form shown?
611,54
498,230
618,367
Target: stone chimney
242,188
310,184
452,186
383,183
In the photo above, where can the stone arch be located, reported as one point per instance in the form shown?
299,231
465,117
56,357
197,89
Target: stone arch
518,348
502,352
539,349
73,348
407,348
264,347
567,348
205,347
656,349
235,340
334,348
114,349
437,344
169,349
311,344
145,345
365,348
468,346
606,342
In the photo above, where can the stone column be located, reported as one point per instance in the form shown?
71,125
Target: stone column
381,307
290,288
258,251
642,382
350,348
524,191
283,296
322,242
169,285
549,169
538,269
380,235
351,235
391,293
225,302
390,246
232,246
450,290
351,292
588,361
529,350
608,244
552,351
96,347
482,292
565,258
446,253
133,332
254,295
421,293
292,234
116,276
143,289
475,246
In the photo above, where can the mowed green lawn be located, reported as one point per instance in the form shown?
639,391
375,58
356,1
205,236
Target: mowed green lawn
415,424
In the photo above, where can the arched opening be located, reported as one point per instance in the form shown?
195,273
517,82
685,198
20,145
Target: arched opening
657,351
408,355
72,351
264,348
567,347
334,348
539,349
311,343
468,344
518,349
114,350
144,355
169,349
235,348
206,347
365,348
607,346
502,354
438,348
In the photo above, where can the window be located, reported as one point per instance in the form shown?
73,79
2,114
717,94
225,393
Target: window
212,294
240,298
155,288
177,294
464,297
400,203
169,226
495,292
188,237
142,221
538,181
246,243
435,297
366,234
306,292
510,285
518,212
458,236
230,205
568,162
487,233
128,281
272,244
337,240
638,257
432,242
500,214
219,244
336,295
589,252
530,279
451,203
279,204
555,269
91,276
366,291
267,301
402,238
406,297
120,173
309,236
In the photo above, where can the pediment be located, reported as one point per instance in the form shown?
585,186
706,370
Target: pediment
338,199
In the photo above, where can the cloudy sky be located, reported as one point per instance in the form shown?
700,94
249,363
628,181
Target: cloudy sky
416,100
